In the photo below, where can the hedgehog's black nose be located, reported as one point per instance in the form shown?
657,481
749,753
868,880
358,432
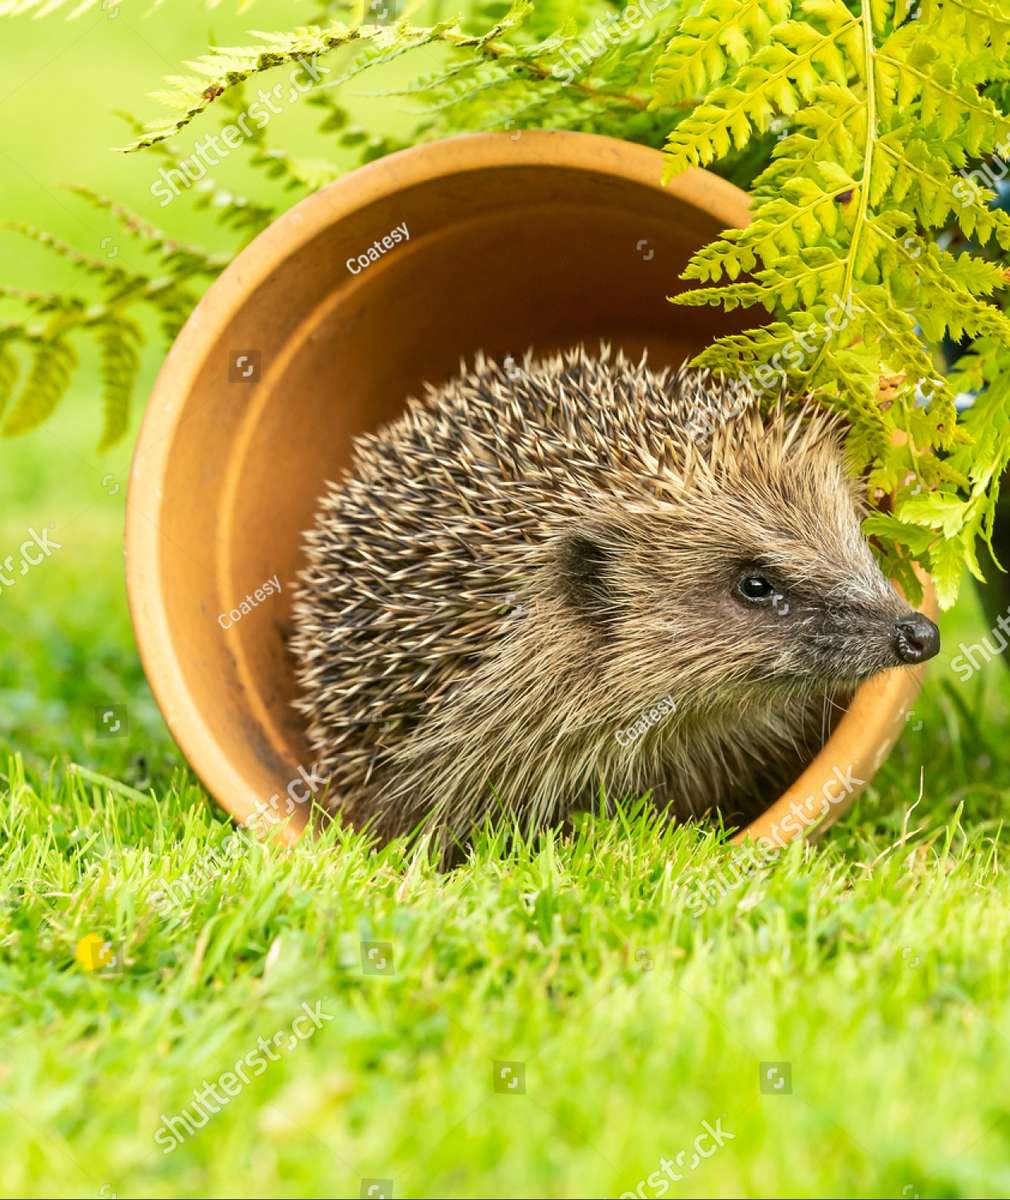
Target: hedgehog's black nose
916,638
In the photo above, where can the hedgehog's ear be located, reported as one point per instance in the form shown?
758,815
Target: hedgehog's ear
586,556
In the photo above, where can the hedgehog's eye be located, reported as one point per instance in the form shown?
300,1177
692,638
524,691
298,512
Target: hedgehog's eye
755,589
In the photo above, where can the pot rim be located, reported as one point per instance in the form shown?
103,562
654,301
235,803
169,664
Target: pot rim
872,710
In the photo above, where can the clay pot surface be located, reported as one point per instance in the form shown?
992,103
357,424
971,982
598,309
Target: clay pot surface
539,239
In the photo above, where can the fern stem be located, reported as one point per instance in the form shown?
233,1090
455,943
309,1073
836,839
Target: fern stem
64,249
204,263
540,71
869,52
982,14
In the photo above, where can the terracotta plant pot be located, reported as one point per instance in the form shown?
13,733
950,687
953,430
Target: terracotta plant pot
538,239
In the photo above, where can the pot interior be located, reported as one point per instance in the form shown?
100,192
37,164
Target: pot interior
501,257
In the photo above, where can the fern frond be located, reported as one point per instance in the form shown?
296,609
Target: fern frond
9,371
883,110
230,208
295,170
52,367
781,77
105,270
188,258
53,321
227,67
874,136
120,364
712,40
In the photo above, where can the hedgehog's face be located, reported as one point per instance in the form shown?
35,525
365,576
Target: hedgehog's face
786,590
795,630
757,582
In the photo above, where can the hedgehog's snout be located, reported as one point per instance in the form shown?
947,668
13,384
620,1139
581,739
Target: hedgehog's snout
916,639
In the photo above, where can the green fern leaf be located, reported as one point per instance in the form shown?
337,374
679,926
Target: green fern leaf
120,365
9,371
47,382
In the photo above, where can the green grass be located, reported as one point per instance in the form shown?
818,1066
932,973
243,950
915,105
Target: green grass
873,963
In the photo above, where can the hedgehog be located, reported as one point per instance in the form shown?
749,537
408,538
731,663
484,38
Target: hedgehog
578,580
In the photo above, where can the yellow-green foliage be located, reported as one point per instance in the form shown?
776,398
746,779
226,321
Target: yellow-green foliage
877,111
